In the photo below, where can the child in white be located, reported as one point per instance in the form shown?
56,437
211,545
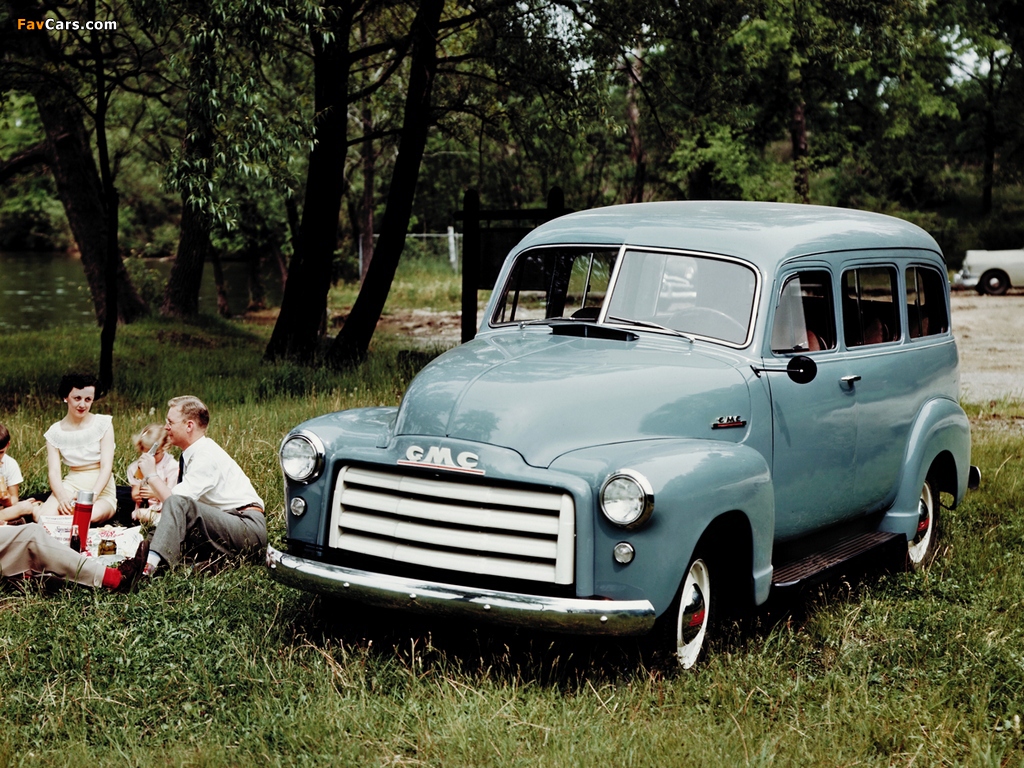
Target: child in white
10,472
147,503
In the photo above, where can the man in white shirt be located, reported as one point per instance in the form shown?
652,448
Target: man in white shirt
213,505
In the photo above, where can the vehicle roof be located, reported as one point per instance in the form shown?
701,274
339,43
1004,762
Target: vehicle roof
763,233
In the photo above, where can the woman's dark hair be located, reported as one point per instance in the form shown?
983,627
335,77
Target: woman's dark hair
77,381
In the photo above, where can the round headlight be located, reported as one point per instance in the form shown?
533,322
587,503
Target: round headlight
627,499
302,457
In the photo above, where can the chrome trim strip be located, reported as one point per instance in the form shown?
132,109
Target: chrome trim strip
571,615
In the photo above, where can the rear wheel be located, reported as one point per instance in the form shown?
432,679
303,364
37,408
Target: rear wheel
921,548
994,282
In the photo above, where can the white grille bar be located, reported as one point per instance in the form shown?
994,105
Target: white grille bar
453,561
441,512
448,537
487,495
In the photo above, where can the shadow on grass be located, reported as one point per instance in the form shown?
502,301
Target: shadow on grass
569,663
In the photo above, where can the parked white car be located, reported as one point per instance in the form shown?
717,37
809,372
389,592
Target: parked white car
991,272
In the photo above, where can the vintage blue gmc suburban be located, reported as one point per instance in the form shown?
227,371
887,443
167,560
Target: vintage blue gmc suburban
669,409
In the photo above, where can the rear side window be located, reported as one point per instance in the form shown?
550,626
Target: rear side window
805,318
870,308
926,303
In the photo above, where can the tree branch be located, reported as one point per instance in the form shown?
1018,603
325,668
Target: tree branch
38,154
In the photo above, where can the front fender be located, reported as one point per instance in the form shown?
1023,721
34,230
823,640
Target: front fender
941,431
355,430
695,482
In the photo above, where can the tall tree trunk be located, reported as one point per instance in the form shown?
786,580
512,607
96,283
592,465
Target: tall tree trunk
700,180
292,210
369,182
369,198
304,302
110,197
70,158
223,309
801,161
988,172
991,139
181,297
354,339
81,192
257,292
636,146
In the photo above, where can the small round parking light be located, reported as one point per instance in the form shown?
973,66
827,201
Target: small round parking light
624,553
298,506
302,457
627,498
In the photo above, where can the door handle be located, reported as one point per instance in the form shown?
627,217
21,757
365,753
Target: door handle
850,379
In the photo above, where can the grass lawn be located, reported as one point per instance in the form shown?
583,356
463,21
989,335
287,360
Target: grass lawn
232,669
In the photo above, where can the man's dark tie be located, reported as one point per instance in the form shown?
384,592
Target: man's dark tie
181,468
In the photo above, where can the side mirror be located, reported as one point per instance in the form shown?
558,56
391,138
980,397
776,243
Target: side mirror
802,369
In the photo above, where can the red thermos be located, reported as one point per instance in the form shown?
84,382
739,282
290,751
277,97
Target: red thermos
80,521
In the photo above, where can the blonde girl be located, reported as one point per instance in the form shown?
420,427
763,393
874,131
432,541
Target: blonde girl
147,503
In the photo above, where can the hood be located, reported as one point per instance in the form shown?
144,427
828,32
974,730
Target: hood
544,395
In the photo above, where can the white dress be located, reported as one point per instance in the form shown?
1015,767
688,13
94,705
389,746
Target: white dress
80,447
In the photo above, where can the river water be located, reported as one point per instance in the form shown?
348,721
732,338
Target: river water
41,290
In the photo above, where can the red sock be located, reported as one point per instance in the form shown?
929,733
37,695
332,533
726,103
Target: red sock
111,578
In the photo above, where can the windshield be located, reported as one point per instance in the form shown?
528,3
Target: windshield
700,296
556,282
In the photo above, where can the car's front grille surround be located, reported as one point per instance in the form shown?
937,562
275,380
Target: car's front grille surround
469,527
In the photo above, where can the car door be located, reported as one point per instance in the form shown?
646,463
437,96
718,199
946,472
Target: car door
900,360
872,332
814,424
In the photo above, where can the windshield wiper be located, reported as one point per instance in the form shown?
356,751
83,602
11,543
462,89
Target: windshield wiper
648,324
553,321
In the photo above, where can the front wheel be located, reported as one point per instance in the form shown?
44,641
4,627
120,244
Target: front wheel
921,548
994,282
684,627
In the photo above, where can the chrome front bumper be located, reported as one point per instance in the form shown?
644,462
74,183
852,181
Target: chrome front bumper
571,615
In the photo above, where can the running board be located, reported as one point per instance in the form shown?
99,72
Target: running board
817,563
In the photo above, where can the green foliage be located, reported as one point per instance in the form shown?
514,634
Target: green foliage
147,281
735,168
608,100
240,129
31,218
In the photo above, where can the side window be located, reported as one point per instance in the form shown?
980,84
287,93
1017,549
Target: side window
926,303
870,315
805,317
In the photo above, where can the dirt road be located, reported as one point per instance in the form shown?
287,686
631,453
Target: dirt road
990,335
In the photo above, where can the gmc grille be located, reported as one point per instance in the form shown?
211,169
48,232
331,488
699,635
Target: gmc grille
488,530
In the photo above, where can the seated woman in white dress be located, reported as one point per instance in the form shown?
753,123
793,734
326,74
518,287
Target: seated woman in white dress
83,442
